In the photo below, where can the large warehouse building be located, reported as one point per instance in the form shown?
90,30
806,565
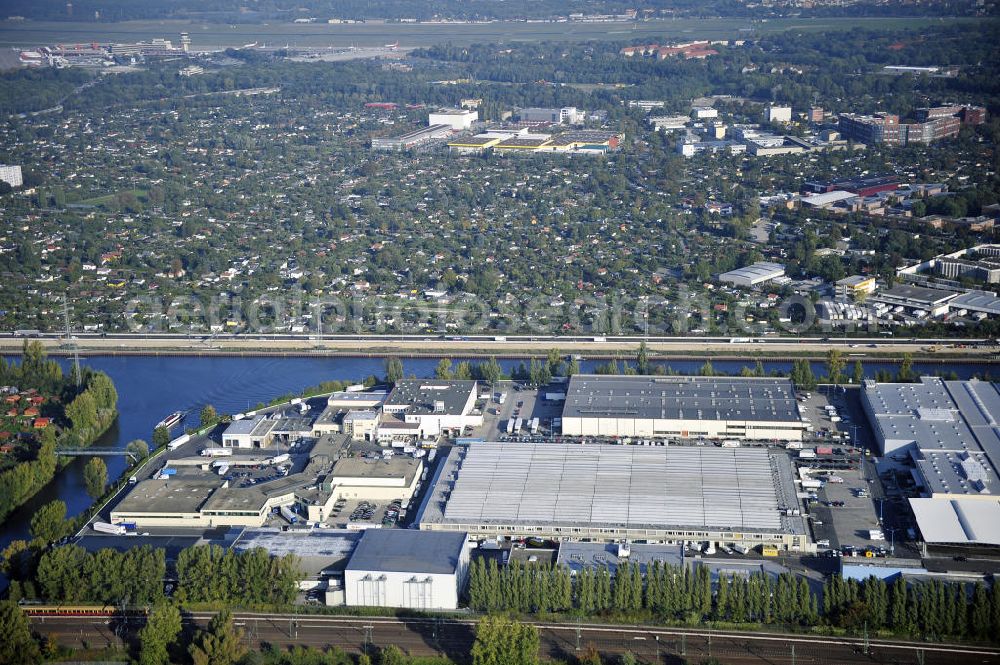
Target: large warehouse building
612,493
948,432
682,407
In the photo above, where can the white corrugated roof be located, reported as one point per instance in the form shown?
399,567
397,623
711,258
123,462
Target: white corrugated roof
961,521
827,198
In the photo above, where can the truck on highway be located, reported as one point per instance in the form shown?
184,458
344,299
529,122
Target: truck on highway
278,459
216,452
113,529
178,442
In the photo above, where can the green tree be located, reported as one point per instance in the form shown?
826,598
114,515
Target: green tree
161,437
138,448
490,371
392,655
859,373
208,415
17,647
393,369
642,359
48,524
221,644
443,369
159,635
95,477
905,374
504,641
835,366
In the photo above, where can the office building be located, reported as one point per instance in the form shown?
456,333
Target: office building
681,407
613,493
432,407
407,569
888,129
855,286
562,116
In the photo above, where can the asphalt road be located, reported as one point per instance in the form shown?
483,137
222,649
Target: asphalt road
454,638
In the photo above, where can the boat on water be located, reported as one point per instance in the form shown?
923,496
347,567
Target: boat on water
171,420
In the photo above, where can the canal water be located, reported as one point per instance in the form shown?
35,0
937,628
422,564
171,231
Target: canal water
150,387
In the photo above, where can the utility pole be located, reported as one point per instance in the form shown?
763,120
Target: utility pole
368,639
684,644
657,638
793,654
578,633
73,344
866,639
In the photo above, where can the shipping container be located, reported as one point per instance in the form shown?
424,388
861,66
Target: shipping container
114,529
178,442
216,452
289,515
824,450
769,550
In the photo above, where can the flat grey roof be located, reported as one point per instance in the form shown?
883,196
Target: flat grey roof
576,555
167,496
948,422
681,398
419,395
316,542
917,294
978,301
617,486
394,467
319,550
245,425
407,551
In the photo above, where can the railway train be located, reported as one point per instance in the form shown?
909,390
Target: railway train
80,610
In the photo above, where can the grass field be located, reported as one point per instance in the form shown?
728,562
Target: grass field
207,36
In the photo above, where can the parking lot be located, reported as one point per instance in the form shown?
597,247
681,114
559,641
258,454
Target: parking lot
525,404
364,513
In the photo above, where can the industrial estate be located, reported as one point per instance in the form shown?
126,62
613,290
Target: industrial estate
386,495
743,189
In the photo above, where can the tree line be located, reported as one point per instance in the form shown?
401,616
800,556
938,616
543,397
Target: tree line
934,608
205,573
681,593
210,573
